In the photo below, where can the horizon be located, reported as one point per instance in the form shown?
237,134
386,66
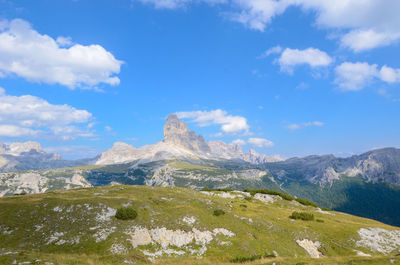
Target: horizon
301,79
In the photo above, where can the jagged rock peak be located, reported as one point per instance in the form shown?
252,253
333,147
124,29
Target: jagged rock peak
174,126
255,158
177,133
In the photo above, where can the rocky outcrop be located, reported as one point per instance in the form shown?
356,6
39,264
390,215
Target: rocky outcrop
119,153
224,150
177,133
255,158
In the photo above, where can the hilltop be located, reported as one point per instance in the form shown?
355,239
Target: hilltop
183,226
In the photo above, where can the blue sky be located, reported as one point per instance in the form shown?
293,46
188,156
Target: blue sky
289,77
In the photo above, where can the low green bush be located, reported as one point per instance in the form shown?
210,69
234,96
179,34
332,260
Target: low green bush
126,213
245,259
218,212
307,202
243,205
270,192
320,221
302,216
209,189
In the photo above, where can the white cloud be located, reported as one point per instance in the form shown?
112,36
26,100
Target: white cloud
229,123
311,56
16,131
389,75
174,4
355,76
73,151
107,128
239,142
64,41
297,126
260,142
30,116
366,24
274,50
256,14
362,40
39,58
2,91
375,22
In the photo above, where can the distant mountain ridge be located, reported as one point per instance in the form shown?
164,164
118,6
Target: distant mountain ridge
29,155
380,165
182,143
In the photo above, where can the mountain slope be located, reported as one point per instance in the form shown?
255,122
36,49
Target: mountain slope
30,156
177,226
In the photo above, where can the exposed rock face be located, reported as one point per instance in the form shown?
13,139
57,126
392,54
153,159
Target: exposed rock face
379,239
119,153
177,133
224,150
311,247
255,158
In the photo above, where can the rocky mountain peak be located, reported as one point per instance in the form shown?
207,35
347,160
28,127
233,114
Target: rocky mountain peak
177,133
174,126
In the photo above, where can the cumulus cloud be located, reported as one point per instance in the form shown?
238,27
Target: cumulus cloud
310,56
239,142
297,126
355,76
39,58
273,50
174,4
366,24
73,151
376,23
256,14
229,123
30,116
260,142
362,40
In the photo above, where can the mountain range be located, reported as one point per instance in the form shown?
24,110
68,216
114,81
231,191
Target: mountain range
367,185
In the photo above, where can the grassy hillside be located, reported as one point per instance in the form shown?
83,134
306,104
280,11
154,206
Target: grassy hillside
183,226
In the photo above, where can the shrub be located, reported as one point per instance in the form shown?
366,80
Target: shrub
245,259
247,198
243,205
208,189
270,192
307,202
302,216
126,213
218,212
320,221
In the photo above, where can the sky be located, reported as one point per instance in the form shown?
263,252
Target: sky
287,77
